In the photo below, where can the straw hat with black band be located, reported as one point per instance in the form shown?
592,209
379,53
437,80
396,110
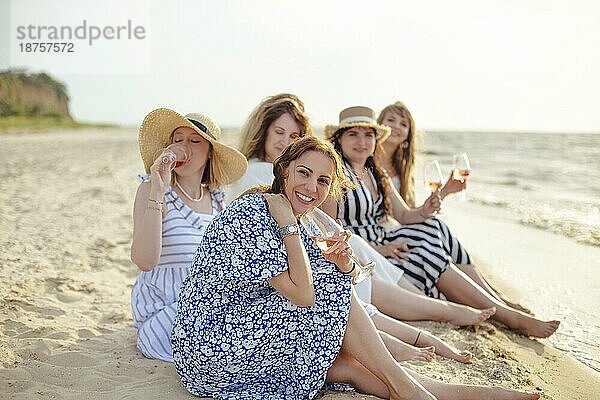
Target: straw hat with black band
155,134
357,116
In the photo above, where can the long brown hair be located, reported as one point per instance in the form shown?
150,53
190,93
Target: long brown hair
373,165
403,157
295,150
254,132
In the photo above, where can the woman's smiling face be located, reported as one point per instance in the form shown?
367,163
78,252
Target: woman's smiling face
400,127
308,181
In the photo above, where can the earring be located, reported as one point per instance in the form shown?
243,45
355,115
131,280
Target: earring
405,144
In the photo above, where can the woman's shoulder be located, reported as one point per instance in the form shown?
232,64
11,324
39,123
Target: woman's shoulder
253,202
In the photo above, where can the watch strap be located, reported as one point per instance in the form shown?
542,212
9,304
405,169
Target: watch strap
288,230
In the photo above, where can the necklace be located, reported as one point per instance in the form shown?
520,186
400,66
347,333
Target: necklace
188,196
363,174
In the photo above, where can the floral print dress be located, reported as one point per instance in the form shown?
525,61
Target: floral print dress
234,336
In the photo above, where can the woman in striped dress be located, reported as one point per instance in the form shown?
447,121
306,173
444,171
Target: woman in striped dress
423,247
397,156
173,206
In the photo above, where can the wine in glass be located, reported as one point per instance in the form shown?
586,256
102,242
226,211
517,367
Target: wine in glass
433,175
323,230
461,169
176,155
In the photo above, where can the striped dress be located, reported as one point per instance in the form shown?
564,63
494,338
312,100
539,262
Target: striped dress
432,245
155,293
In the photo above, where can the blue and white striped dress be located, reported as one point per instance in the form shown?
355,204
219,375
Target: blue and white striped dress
155,293
432,246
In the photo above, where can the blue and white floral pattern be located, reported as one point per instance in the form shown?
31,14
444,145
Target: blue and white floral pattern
235,336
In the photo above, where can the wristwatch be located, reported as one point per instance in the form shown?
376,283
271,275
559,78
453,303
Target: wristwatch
288,230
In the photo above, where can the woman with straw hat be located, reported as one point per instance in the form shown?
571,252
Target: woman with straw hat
420,245
187,166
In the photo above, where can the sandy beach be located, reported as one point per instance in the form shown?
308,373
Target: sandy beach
65,279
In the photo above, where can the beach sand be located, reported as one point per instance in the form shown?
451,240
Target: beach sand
65,279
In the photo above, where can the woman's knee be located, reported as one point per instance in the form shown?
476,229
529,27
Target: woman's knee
344,368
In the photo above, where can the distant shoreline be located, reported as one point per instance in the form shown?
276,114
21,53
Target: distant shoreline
28,124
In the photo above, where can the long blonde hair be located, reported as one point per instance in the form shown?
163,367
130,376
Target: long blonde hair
403,157
254,132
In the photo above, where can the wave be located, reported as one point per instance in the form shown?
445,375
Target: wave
579,223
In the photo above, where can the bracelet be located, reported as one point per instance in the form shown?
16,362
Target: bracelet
154,208
288,230
417,339
348,272
160,203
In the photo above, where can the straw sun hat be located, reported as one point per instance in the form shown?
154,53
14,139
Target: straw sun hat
155,134
358,116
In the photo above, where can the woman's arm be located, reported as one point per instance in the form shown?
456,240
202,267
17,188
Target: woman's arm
402,212
295,283
147,227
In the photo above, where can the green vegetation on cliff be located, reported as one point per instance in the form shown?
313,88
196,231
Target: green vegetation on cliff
32,95
34,101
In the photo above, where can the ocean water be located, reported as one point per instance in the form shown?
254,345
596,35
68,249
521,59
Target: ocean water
550,181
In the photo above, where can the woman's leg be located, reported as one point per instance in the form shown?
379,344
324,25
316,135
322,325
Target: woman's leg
346,369
461,258
458,287
449,391
476,274
402,304
362,342
406,284
416,337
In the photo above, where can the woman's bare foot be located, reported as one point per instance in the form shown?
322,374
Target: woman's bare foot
532,326
465,315
444,349
411,353
402,351
463,356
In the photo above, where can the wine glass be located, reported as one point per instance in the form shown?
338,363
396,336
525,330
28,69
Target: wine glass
461,169
175,154
322,228
433,175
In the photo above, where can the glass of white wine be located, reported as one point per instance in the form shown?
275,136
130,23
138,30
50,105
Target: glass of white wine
324,231
432,174
461,169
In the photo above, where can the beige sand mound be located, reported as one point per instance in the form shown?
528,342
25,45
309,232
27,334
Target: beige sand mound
65,324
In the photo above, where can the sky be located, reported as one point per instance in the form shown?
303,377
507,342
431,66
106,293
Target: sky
459,65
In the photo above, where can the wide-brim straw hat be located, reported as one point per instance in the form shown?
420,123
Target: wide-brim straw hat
155,134
358,116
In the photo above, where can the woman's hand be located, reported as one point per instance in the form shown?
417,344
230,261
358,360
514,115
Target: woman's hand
453,185
431,206
339,251
160,173
280,208
398,250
